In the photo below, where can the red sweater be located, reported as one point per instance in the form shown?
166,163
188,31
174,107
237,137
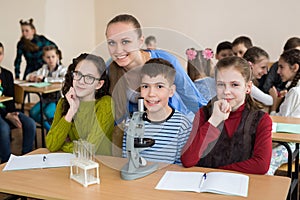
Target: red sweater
199,139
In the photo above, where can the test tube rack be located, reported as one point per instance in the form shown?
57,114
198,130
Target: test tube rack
83,169
85,172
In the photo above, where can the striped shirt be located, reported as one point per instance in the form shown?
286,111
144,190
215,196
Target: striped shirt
170,136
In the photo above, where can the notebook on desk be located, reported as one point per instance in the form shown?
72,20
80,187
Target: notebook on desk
38,85
285,128
213,182
38,161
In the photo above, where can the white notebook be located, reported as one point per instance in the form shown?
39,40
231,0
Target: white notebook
213,182
38,161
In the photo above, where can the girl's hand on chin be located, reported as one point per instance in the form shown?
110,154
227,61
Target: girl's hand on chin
73,100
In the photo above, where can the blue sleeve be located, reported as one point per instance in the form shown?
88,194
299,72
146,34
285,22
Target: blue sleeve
187,91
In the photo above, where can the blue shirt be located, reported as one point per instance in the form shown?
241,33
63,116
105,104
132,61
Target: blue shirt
187,99
207,87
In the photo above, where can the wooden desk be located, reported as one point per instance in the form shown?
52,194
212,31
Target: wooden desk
54,87
4,98
284,139
55,183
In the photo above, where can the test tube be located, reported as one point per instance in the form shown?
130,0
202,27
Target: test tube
92,150
80,150
75,148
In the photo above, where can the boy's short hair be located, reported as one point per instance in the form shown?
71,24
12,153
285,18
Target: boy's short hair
158,66
150,39
224,46
1,45
243,40
292,43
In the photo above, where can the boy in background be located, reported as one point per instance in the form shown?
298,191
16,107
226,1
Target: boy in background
150,42
10,118
240,45
169,128
273,78
224,49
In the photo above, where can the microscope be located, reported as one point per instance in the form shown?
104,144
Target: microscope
135,142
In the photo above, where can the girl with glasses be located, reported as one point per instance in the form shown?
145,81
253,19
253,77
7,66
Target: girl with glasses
85,111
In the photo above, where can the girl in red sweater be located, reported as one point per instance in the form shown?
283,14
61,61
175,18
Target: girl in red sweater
231,132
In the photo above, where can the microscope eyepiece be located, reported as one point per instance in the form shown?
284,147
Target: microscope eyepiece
141,104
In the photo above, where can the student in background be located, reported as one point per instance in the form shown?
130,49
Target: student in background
199,69
150,42
224,49
125,39
52,71
288,69
273,78
169,128
259,60
231,132
240,45
11,118
31,47
85,112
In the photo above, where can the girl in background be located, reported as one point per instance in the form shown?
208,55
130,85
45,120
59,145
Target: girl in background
52,71
259,60
31,47
231,132
288,69
86,111
199,69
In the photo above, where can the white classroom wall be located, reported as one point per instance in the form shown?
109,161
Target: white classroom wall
79,25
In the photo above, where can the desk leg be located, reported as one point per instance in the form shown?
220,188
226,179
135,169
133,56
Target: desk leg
42,120
293,193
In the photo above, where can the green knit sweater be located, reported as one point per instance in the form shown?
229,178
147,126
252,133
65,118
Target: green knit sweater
94,122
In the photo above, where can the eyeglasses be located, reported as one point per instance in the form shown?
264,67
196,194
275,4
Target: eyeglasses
87,78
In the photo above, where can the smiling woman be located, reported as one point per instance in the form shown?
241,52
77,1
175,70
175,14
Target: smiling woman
125,39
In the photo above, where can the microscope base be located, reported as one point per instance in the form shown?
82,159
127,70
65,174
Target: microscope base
138,172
